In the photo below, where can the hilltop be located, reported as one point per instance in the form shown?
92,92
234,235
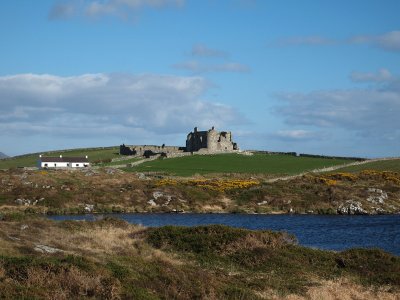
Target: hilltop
2,155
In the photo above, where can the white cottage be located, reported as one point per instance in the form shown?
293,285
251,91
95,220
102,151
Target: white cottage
63,162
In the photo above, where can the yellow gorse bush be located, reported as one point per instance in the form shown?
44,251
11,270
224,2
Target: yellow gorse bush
326,181
386,175
333,179
343,176
166,181
212,184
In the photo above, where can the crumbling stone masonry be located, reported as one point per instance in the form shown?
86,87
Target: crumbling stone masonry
149,150
201,142
210,141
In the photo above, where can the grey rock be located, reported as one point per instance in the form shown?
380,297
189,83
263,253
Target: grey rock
351,207
89,208
46,249
262,202
378,196
157,195
152,202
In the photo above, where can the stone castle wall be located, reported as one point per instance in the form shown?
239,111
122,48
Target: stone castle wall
141,150
210,141
201,142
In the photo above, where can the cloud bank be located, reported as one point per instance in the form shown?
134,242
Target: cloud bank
117,8
389,41
107,104
370,112
383,75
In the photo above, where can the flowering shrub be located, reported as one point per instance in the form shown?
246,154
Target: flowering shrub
326,181
386,175
166,181
343,176
212,184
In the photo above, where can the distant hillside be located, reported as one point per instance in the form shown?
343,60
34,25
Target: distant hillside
2,155
30,160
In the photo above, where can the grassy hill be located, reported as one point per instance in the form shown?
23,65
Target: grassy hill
383,165
30,160
235,163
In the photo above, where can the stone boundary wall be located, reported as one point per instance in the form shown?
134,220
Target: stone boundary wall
309,155
274,152
333,157
140,150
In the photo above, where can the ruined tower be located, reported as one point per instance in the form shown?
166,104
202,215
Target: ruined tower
210,141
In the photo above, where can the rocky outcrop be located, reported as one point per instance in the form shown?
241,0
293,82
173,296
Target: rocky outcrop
377,196
351,207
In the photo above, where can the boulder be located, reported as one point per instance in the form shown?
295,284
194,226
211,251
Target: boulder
351,207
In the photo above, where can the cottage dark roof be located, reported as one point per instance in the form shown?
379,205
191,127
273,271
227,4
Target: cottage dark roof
64,159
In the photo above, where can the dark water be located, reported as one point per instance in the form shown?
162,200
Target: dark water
324,232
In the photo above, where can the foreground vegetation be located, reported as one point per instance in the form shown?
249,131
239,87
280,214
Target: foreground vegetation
111,259
236,163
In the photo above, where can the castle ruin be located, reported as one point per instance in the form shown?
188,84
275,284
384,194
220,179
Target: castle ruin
201,142
210,141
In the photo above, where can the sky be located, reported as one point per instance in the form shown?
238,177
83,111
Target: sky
319,77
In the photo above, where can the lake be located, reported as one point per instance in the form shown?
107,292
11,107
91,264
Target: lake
317,231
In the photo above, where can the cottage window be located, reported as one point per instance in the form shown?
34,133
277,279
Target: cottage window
45,165
77,165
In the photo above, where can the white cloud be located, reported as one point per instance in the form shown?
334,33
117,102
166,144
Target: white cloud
370,112
200,67
112,104
389,41
305,40
297,134
204,51
119,8
383,75
62,11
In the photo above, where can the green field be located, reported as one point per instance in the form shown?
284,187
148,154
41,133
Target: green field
30,160
235,163
384,165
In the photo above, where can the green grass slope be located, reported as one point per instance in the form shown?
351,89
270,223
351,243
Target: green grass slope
234,163
30,160
383,165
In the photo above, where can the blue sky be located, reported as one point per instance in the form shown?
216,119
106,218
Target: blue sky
317,77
